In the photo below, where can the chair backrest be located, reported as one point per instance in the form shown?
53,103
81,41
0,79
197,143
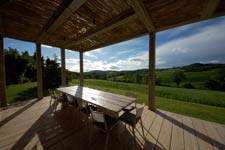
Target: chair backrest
97,116
52,93
69,98
139,112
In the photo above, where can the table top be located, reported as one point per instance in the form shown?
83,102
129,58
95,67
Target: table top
113,103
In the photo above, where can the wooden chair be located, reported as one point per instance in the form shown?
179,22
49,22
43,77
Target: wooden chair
55,99
132,120
104,123
71,100
52,95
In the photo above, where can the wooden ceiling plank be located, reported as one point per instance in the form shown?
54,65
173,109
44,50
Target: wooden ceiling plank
209,8
113,24
63,16
142,14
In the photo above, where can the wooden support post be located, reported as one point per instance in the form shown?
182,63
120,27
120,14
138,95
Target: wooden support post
81,70
3,101
151,92
63,70
39,71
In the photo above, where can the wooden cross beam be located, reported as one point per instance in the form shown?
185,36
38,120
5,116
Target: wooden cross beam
142,14
209,8
118,21
60,16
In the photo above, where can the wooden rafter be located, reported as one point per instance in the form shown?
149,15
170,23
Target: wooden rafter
120,20
1,26
142,14
209,8
60,16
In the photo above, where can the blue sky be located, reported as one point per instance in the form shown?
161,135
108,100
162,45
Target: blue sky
202,42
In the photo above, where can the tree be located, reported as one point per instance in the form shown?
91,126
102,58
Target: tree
51,74
178,77
217,82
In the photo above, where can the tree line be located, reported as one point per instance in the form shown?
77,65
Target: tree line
21,68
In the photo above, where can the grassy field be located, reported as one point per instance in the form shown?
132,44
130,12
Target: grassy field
183,101
197,79
19,92
189,107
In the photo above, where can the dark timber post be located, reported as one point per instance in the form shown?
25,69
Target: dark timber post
63,70
39,71
81,70
151,92
3,101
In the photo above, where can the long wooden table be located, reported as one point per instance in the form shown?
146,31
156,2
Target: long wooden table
111,104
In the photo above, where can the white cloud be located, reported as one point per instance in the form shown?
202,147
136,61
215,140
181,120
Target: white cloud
200,46
210,62
89,54
46,46
72,64
131,63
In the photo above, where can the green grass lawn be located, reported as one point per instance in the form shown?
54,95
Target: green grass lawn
183,101
19,92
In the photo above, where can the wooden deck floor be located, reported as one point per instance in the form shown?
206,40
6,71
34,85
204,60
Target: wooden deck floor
33,125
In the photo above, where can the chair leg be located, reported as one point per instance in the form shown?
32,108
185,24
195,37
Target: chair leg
107,141
125,127
134,136
90,133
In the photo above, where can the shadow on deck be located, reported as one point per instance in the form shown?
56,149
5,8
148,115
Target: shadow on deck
36,126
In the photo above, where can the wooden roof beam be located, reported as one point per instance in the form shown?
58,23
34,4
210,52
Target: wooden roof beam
209,8
120,20
142,14
60,16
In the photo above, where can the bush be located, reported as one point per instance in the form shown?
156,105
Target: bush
188,86
178,77
212,85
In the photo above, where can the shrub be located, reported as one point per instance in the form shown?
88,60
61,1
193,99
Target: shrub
188,86
212,85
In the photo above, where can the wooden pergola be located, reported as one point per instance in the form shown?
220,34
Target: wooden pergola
84,25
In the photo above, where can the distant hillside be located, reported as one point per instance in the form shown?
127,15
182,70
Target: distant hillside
196,74
202,67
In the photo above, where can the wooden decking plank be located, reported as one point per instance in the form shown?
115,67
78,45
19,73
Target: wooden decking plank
153,132
37,127
177,139
201,134
165,133
220,130
214,136
140,138
190,140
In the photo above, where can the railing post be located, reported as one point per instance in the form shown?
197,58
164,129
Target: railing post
39,71
63,70
81,70
3,101
151,92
